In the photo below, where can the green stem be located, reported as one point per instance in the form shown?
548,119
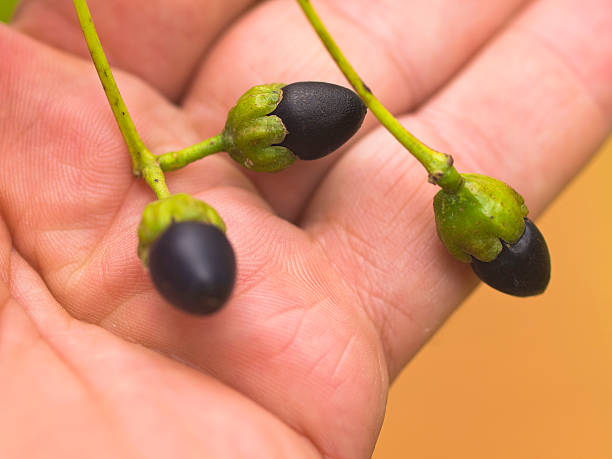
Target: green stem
177,159
438,165
143,161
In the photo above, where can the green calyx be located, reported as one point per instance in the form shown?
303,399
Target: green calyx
159,215
252,136
473,220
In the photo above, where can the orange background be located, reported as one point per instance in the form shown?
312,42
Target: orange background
522,378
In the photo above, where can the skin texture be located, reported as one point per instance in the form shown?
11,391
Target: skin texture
328,306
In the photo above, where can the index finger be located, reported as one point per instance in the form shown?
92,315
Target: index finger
159,41
529,110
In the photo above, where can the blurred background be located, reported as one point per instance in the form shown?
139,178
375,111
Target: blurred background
509,378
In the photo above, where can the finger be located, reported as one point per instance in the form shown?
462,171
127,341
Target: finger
5,257
530,110
291,337
70,181
159,41
406,50
120,391
73,208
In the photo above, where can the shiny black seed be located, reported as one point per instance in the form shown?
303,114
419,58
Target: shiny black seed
192,265
520,269
319,117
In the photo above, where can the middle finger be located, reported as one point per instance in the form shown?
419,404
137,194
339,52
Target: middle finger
405,50
159,41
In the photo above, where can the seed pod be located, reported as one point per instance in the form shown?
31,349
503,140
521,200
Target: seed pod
472,220
484,223
319,117
521,268
193,266
272,124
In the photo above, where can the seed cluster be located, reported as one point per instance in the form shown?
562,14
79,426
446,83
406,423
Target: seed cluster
182,240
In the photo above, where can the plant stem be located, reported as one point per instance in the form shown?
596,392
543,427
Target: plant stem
438,165
143,161
177,159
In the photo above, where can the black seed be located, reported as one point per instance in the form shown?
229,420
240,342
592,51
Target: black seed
319,117
520,269
192,265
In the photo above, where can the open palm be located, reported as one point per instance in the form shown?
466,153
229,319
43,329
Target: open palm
341,277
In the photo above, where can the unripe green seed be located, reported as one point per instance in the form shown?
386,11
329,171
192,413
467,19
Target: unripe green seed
472,220
250,133
483,223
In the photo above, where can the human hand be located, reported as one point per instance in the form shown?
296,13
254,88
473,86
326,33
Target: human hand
327,310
